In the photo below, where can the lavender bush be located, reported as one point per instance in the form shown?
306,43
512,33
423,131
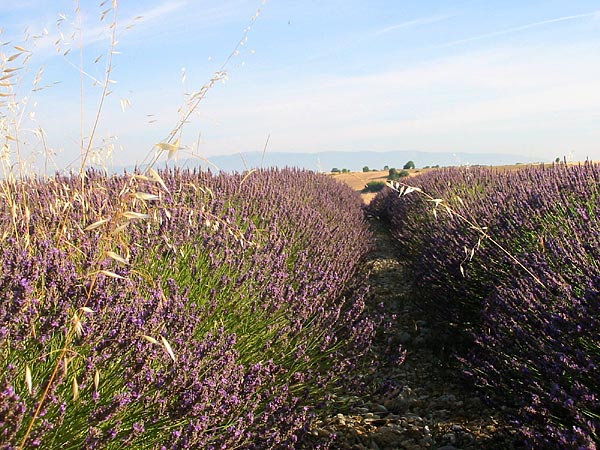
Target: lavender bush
177,310
532,323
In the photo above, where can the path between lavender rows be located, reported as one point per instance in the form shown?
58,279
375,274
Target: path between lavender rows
425,404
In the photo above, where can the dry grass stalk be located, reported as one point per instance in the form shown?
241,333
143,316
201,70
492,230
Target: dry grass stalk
149,339
75,389
111,274
404,189
28,380
168,348
9,129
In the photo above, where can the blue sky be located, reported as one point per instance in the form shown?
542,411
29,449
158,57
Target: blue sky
315,75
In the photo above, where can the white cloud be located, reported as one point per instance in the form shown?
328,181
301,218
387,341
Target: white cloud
594,15
507,91
158,12
414,23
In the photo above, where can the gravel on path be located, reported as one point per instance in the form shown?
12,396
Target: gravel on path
421,403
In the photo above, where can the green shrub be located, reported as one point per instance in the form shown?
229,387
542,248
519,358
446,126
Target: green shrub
395,174
373,186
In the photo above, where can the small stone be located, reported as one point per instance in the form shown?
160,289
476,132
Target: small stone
380,409
376,422
322,433
407,442
449,437
414,431
417,403
443,413
386,438
447,447
413,447
360,430
426,441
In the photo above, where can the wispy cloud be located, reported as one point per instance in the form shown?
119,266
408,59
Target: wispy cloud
414,23
156,12
175,18
512,30
434,105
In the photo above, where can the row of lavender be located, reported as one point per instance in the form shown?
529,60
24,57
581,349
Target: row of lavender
515,256
177,309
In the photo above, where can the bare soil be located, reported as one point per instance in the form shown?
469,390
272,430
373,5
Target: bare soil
421,403
358,180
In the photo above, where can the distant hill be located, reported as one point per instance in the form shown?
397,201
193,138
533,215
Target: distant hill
355,161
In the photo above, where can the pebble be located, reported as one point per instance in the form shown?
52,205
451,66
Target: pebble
449,437
380,408
428,409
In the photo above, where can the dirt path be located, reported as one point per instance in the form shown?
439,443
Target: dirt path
423,405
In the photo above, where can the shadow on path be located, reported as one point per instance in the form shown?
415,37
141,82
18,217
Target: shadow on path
421,403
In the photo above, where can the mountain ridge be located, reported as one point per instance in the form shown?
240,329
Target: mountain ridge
354,161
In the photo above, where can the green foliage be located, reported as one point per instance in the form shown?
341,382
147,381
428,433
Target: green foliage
396,175
373,186
525,295
345,171
366,169
409,165
335,170
207,302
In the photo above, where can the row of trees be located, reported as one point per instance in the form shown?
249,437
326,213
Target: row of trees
393,174
408,166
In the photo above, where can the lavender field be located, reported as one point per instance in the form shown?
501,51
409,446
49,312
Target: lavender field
509,261
178,310
165,283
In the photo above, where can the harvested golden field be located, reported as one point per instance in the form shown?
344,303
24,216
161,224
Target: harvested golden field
358,180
